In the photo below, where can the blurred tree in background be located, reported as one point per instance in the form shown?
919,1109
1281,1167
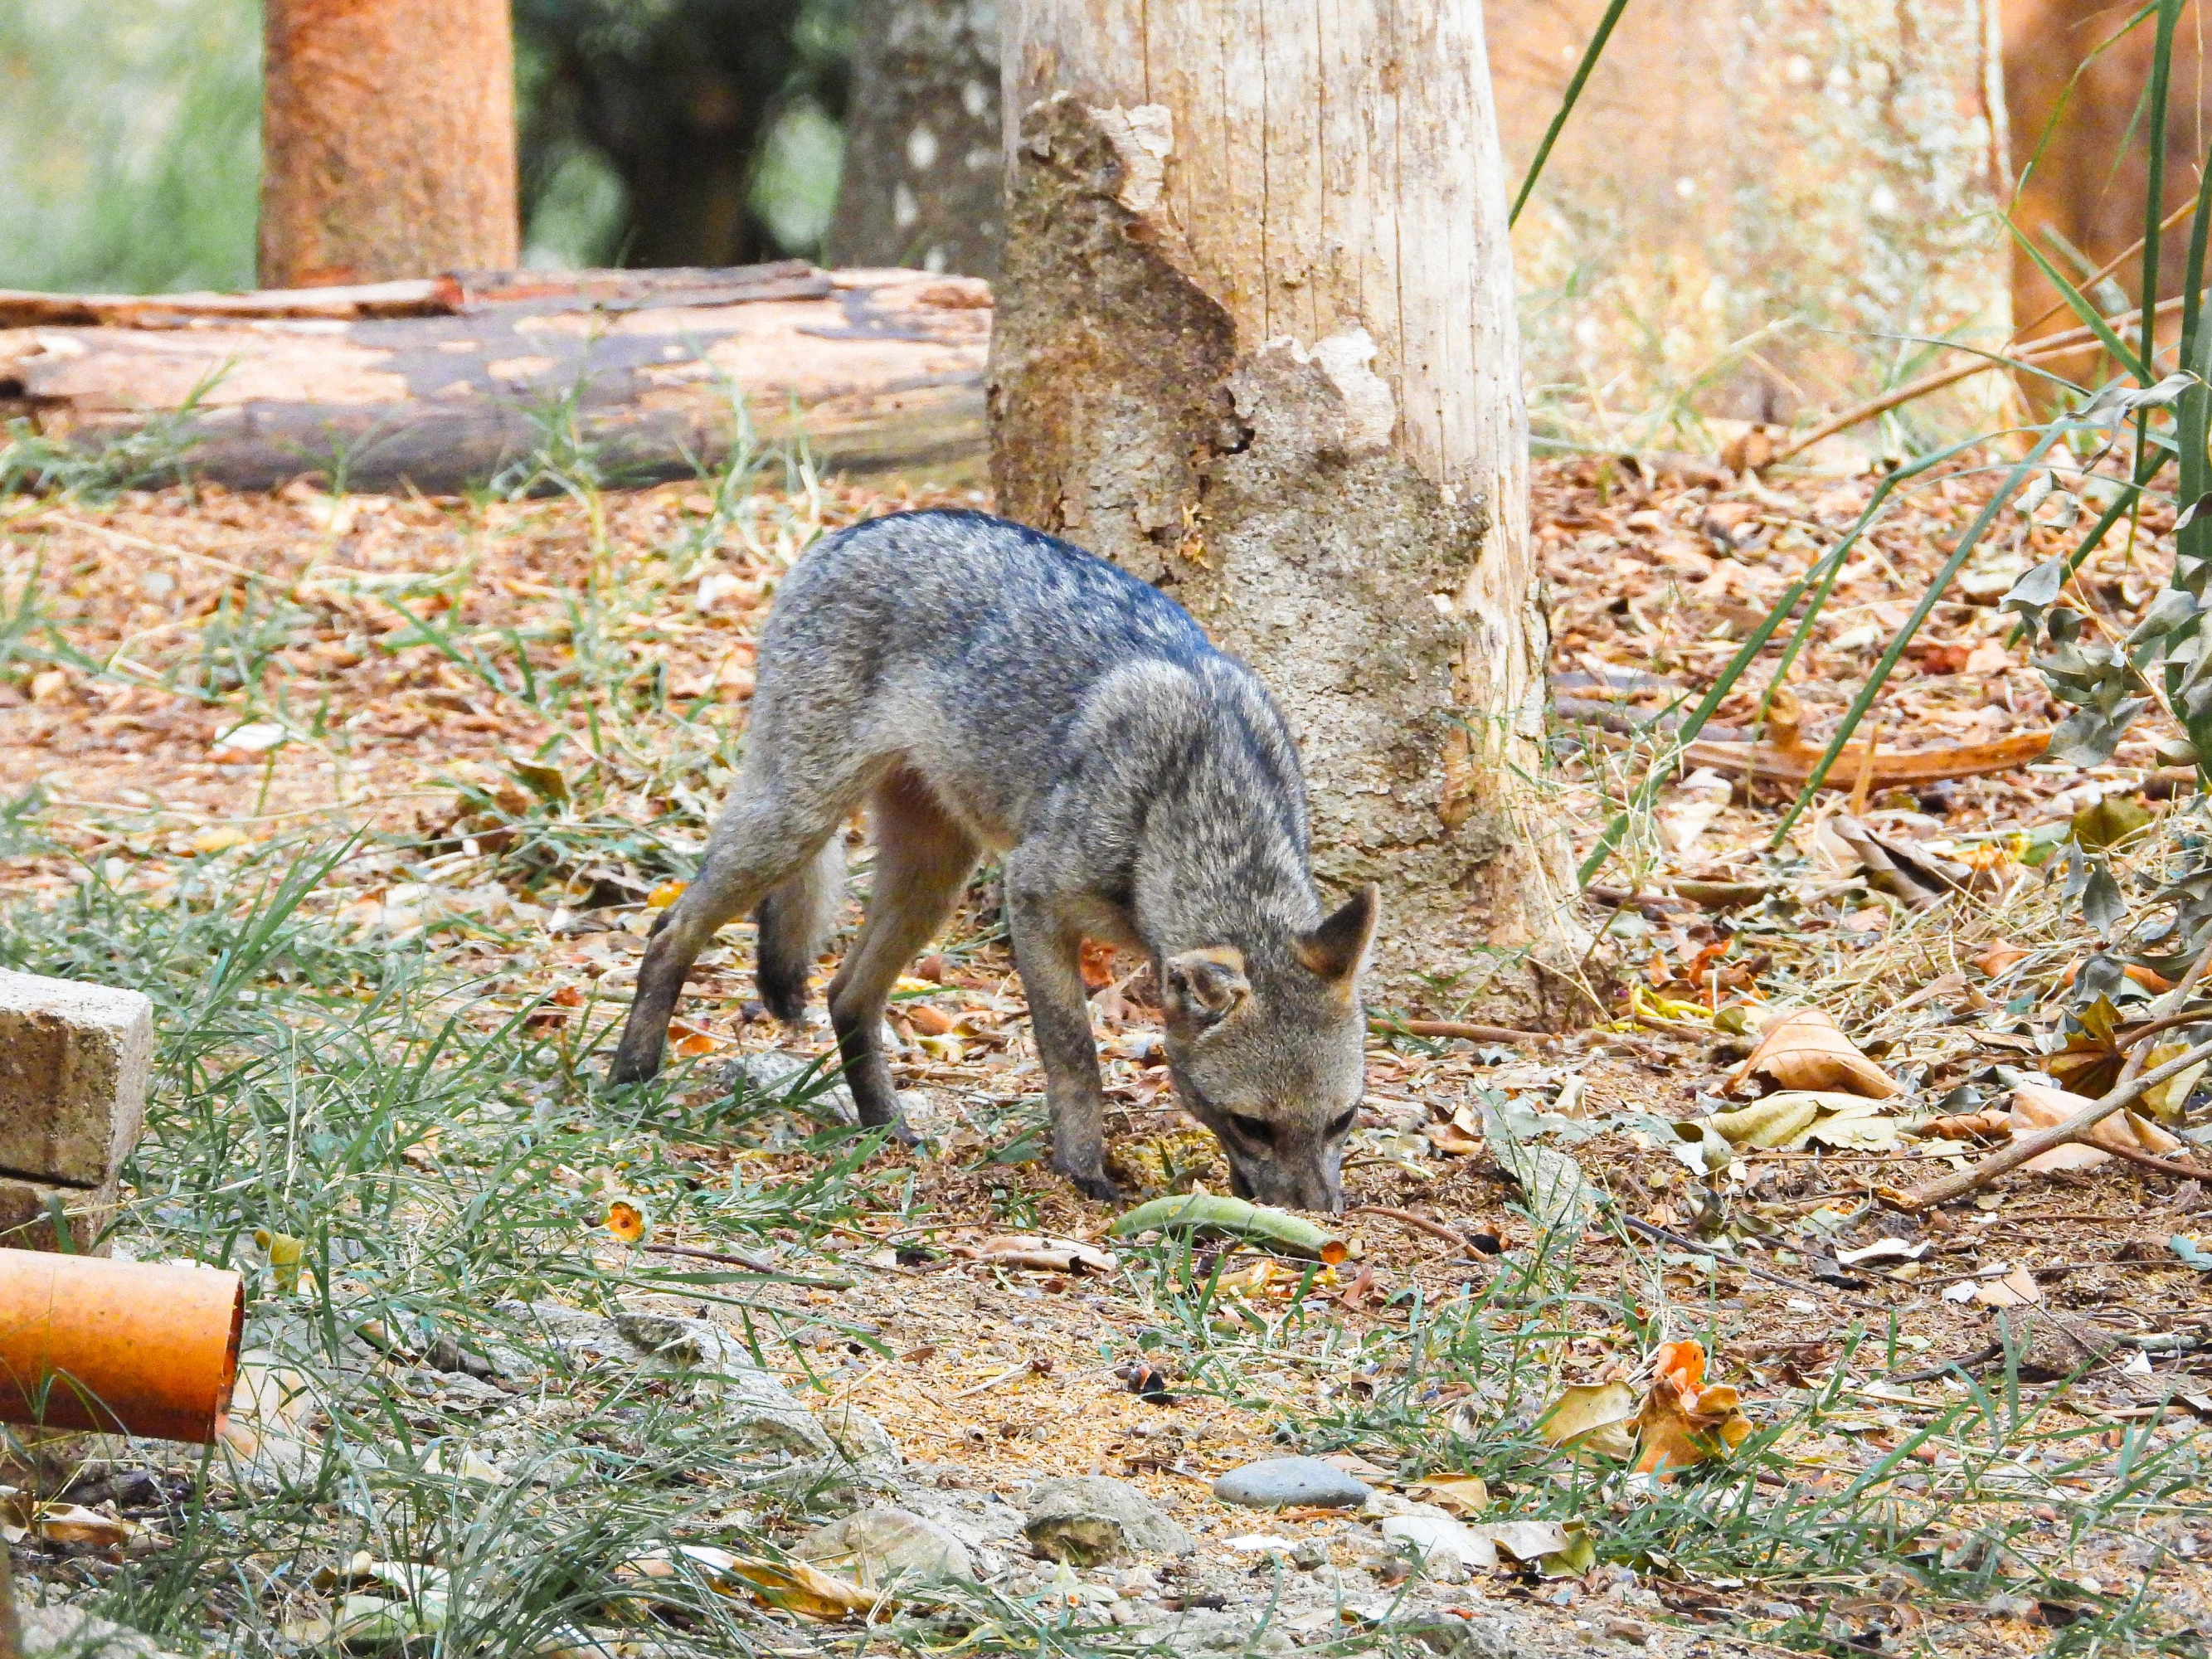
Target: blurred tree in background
653,132
680,133
923,166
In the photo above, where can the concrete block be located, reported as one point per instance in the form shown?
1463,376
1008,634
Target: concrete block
73,1064
27,1215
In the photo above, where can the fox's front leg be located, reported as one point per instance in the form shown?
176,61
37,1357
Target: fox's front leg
1048,957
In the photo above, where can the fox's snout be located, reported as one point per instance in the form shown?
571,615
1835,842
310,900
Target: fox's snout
1306,1186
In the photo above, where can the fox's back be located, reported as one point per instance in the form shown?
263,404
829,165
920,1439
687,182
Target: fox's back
983,651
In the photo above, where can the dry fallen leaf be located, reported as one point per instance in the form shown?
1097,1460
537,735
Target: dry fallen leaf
1452,1139
2016,1289
929,1021
1790,1117
2038,1106
1806,1049
1041,1253
2000,958
1598,1418
1989,1125
1774,1122
795,1587
73,1523
2167,1100
284,1253
1683,1422
1463,1494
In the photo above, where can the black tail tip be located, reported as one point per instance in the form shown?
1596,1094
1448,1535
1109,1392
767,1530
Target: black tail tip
782,992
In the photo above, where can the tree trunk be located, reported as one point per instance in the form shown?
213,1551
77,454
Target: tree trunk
924,175
388,140
1255,343
1753,206
2077,112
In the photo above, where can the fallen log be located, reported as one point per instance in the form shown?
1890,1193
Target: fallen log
460,379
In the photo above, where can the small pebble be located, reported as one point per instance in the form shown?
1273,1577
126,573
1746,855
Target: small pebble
1277,1482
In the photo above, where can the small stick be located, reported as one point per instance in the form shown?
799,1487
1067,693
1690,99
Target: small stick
2152,1161
1453,1028
1026,1368
751,1263
1420,1223
1915,1199
1735,1262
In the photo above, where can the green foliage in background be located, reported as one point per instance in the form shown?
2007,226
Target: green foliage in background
130,141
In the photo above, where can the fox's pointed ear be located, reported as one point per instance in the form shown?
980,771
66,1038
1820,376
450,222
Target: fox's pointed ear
1205,986
1336,948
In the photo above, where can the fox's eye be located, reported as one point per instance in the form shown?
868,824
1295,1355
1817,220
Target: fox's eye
1252,1128
1342,1127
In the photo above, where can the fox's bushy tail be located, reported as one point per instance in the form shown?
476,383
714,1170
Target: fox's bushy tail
795,922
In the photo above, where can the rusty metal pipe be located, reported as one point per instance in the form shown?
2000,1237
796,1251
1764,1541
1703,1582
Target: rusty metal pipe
141,1348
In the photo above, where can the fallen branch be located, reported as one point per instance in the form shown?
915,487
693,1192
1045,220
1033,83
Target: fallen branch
1889,769
751,1264
2051,345
2071,339
1913,1200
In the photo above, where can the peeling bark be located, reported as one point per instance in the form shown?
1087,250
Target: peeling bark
923,172
1312,437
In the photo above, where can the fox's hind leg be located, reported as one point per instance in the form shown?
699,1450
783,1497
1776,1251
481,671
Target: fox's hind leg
922,860
763,841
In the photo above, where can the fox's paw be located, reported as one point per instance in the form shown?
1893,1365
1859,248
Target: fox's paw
626,1069
1094,1183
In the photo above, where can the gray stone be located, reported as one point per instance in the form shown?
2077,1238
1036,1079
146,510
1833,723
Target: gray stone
881,1545
73,1064
792,1450
62,1631
1472,1638
1277,1482
1090,1520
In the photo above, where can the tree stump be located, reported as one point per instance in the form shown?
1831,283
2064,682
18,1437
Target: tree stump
1255,343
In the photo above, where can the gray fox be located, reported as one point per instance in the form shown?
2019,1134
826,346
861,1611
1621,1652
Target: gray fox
983,686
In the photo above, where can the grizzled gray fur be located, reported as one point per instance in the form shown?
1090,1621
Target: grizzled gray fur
983,687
